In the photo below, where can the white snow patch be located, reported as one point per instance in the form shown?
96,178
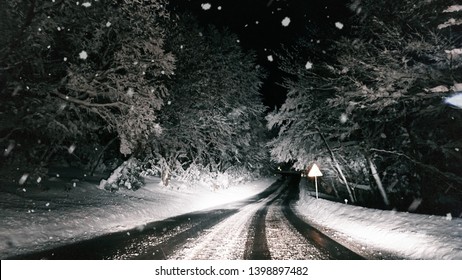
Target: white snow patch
86,4
453,8
270,58
108,24
90,211
406,235
286,21
455,100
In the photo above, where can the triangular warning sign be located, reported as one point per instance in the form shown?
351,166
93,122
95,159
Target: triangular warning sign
314,171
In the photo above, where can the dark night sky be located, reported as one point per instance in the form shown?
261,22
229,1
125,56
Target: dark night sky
258,23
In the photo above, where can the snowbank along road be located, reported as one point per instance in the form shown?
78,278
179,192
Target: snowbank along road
263,227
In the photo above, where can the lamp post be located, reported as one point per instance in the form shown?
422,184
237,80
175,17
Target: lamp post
315,172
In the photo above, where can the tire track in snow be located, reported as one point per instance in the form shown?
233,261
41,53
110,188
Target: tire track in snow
226,240
284,241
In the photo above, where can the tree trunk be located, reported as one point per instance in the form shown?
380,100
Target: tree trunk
378,181
337,167
100,156
165,173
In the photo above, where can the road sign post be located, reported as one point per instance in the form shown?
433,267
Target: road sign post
315,172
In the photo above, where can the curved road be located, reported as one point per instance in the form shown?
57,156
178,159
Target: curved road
262,227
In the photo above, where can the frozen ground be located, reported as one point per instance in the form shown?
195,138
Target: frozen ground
32,218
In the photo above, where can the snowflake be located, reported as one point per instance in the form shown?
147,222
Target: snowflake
286,21
86,4
343,118
23,178
130,92
83,55
206,6
270,58
309,65
339,25
71,149
219,8
108,24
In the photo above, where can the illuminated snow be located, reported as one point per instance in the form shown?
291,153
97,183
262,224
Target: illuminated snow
86,4
86,211
453,8
270,58
455,100
286,21
108,24
339,25
410,236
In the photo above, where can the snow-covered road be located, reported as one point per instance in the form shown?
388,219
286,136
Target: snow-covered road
261,227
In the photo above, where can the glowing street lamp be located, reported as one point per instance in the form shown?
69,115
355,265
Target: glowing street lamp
315,172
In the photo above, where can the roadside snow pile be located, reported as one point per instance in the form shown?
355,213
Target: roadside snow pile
44,218
407,235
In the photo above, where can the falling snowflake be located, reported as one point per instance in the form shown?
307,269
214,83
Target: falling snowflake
71,149
47,204
108,24
339,25
130,92
270,58
169,102
23,178
40,29
343,118
219,8
86,4
309,65
9,149
83,55
206,6
39,179
286,21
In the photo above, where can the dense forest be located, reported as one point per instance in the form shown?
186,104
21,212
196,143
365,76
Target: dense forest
140,88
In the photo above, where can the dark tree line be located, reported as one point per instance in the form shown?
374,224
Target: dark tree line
92,80
371,109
